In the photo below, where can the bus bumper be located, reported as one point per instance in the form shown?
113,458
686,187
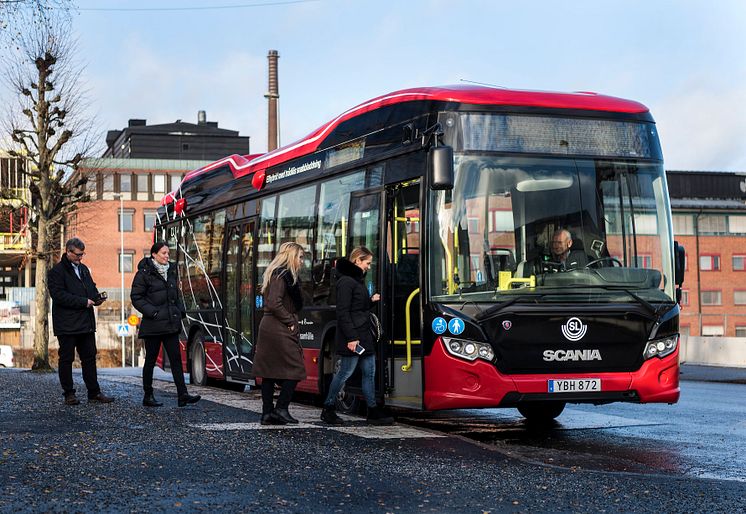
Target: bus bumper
452,383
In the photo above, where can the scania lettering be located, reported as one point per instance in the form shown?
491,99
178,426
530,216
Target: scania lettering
459,191
572,355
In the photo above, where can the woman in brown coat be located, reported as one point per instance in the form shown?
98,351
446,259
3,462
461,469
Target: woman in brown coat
279,355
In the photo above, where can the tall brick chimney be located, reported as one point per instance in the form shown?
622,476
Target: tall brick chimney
272,96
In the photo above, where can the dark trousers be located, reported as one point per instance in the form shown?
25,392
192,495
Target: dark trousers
171,347
268,390
86,346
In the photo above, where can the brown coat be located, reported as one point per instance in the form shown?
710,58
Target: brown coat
279,354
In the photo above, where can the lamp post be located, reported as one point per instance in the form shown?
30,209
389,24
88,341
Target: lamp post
121,264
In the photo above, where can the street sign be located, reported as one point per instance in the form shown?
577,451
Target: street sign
133,320
123,330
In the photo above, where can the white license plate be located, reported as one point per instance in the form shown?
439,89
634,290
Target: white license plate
574,385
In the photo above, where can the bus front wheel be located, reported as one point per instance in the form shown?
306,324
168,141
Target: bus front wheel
198,375
541,411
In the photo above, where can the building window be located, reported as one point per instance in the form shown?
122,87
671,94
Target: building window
709,262
175,182
684,297
683,224
125,183
149,218
646,224
713,224
711,298
739,261
740,330
142,183
108,183
712,330
739,297
473,225
644,261
159,183
126,261
737,224
125,219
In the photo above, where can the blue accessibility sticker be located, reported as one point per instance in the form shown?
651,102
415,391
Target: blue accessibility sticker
439,325
456,326
259,301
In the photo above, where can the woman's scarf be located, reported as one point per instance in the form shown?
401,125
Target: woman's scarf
162,269
293,289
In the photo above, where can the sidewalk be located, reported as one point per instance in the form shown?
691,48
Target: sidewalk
698,373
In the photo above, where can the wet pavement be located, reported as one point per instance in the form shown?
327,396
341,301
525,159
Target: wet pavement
214,456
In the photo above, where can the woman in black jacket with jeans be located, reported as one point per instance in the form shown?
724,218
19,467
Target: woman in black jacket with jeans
155,293
355,343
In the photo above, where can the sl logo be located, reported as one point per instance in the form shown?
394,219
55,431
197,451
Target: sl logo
574,329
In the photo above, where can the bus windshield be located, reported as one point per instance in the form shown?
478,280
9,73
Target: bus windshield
557,229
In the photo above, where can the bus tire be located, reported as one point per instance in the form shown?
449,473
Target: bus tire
198,374
541,412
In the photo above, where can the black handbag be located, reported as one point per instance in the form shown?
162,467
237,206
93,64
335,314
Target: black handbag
375,328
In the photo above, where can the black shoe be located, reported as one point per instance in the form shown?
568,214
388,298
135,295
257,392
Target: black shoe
188,398
71,399
329,415
272,419
150,401
101,398
285,415
376,416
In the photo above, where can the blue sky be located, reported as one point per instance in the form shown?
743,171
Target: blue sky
684,59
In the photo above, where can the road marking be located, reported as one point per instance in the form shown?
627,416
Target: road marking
308,416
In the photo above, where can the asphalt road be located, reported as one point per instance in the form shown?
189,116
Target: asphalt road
214,456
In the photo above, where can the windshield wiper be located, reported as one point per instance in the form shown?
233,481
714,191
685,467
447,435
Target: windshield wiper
492,311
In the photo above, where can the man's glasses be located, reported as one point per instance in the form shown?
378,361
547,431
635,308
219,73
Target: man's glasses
76,254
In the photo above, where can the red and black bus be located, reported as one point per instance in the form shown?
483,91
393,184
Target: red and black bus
458,191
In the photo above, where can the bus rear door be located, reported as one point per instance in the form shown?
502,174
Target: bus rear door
239,301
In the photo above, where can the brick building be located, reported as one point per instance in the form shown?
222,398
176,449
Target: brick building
709,219
141,183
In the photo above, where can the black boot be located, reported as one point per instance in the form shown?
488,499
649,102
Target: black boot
150,401
285,415
329,415
188,398
272,419
376,416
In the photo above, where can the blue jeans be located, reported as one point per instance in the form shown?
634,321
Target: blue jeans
346,368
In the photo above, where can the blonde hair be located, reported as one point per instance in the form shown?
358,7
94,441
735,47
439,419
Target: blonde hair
287,257
360,252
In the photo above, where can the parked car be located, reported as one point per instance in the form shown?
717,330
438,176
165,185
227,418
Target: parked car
6,356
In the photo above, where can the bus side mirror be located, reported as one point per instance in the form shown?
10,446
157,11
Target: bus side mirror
679,263
440,165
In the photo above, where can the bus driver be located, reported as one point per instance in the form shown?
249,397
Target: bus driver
562,253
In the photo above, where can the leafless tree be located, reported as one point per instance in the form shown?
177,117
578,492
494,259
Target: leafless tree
49,129
18,16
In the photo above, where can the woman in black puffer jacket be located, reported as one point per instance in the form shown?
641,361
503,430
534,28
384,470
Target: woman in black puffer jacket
355,343
155,293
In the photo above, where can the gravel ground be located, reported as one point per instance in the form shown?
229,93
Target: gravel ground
121,457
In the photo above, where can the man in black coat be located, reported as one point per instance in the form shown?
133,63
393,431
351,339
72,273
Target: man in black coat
73,295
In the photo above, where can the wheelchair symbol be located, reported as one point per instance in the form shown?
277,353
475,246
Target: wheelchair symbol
439,325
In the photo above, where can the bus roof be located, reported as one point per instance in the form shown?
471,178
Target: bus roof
463,94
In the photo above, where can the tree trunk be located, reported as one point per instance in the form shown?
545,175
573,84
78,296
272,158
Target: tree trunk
41,324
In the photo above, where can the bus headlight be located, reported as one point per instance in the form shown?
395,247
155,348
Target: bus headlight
661,347
469,350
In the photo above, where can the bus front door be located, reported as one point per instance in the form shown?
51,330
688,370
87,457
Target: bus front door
238,336
402,306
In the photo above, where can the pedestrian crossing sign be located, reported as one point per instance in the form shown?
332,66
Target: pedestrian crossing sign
123,330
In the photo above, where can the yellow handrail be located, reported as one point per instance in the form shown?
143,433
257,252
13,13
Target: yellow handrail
408,319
